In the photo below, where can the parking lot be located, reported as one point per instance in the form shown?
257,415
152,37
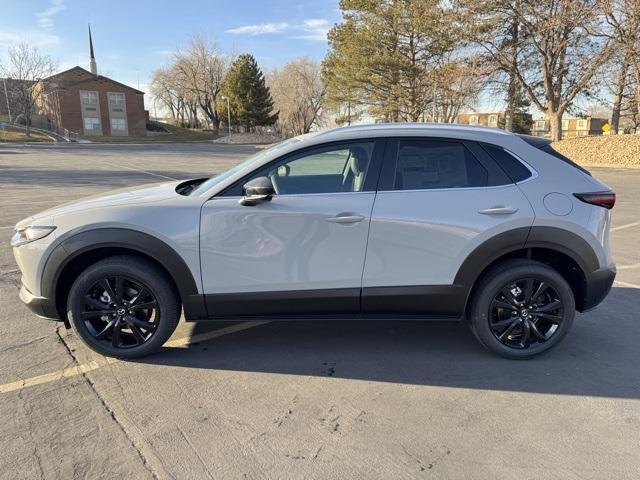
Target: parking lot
312,399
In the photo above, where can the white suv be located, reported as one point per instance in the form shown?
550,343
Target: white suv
400,221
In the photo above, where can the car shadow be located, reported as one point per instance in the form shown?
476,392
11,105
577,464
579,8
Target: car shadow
599,357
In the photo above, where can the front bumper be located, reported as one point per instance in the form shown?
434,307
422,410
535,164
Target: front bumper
41,306
598,286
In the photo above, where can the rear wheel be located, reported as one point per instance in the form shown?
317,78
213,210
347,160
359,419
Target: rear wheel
124,307
521,308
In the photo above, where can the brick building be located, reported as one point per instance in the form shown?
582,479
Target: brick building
571,127
494,120
89,104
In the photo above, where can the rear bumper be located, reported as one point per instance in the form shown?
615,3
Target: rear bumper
41,306
598,286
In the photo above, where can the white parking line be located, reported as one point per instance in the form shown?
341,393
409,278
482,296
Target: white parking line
104,361
142,171
624,227
626,284
628,267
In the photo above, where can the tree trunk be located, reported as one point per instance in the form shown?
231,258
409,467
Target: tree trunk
637,101
512,87
555,124
617,97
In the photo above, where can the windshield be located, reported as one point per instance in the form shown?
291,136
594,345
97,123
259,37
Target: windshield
213,181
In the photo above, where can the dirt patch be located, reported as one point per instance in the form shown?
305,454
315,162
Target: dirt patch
620,151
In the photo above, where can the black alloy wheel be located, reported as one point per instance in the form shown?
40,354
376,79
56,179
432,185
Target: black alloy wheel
521,308
120,312
525,312
124,306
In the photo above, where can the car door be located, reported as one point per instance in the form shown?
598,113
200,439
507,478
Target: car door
438,200
302,252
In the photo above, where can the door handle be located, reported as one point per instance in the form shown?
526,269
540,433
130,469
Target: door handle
501,210
345,219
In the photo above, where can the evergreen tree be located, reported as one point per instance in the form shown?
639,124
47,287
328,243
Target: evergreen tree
249,97
384,55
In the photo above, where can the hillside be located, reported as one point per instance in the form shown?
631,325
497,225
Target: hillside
622,151
13,134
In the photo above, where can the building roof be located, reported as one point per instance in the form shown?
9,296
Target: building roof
90,77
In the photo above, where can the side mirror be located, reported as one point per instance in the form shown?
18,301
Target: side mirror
257,190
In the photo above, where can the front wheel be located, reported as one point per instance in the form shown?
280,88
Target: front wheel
123,307
521,308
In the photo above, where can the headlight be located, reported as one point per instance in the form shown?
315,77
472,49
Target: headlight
29,234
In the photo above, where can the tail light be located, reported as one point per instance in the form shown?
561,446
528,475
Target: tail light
601,199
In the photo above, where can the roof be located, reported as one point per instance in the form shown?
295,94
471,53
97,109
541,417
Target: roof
90,77
414,128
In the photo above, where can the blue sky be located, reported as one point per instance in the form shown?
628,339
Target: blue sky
132,38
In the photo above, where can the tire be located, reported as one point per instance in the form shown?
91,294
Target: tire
536,324
131,315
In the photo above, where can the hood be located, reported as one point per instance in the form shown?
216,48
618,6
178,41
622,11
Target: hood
151,193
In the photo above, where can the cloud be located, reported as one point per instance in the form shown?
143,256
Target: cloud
315,29
164,53
45,18
39,39
260,29
310,29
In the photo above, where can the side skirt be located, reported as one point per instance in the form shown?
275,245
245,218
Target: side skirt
441,302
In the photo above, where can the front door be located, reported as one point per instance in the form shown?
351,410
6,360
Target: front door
302,252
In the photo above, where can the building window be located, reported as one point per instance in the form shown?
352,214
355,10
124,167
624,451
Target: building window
116,99
541,125
89,98
473,120
91,123
118,124
565,124
581,124
493,120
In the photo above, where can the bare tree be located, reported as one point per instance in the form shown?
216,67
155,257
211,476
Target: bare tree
624,18
560,47
200,71
297,91
457,84
26,68
165,90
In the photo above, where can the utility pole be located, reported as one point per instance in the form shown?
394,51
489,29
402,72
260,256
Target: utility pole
228,113
6,96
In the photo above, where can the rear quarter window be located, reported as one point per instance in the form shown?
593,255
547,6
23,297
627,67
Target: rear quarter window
513,167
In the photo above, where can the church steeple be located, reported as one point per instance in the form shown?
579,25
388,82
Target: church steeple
92,59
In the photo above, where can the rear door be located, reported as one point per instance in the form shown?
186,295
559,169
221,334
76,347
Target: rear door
302,252
438,200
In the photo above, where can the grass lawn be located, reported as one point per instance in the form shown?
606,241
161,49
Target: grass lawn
176,134
11,134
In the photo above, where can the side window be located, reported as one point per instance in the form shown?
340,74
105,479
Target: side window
511,166
431,164
333,169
